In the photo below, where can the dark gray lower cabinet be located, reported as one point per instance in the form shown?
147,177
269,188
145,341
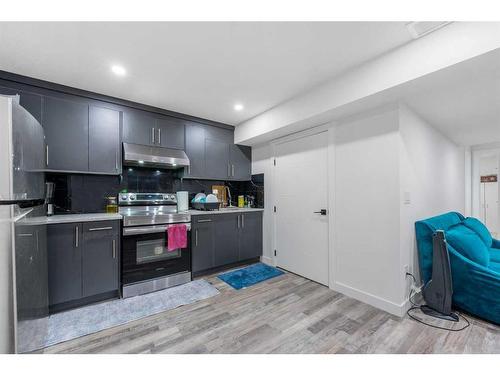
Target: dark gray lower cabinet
83,260
250,244
202,247
226,239
100,260
64,247
222,239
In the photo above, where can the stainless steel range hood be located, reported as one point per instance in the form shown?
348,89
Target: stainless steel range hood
154,157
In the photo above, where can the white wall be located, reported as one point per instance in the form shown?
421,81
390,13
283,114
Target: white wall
432,171
366,209
262,162
379,157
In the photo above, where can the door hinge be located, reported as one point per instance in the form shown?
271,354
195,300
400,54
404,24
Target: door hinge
274,208
274,252
275,162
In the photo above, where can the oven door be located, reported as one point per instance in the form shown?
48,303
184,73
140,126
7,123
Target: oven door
145,255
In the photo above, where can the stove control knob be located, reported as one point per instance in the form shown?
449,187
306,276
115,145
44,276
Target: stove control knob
132,197
172,196
124,197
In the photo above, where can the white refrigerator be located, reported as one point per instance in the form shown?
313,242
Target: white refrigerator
23,255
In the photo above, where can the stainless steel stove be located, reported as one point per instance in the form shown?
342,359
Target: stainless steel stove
147,265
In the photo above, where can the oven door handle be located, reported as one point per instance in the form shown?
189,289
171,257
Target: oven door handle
150,229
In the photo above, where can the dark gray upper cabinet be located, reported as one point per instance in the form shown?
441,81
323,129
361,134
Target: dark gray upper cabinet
240,160
66,127
170,132
139,128
64,247
226,239
202,237
250,239
100,260
195,150
104,140
216,159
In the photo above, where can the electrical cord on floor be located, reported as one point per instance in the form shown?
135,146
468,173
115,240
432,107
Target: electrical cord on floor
415,306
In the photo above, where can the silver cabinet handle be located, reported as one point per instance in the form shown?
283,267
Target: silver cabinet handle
228,170
101,228
47,155
238,221
114,249
116,160
243,221
152,135
159,136
76,235
196,237
204,220
232,170
25,235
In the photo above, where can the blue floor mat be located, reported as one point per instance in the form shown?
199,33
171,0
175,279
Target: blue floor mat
251,275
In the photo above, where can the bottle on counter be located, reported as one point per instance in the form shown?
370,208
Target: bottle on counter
111,205
241,201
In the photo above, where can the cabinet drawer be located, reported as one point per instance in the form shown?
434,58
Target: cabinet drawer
98,229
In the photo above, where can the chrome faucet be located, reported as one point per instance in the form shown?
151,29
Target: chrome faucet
229,197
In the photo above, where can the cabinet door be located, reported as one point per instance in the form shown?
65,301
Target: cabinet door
104,140
31,271
66,126
241,162
202,246
195,150
100,257
170,132
226,239
139,128
64,244
216,159
250,235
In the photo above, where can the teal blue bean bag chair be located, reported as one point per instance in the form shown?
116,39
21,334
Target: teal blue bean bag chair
474,260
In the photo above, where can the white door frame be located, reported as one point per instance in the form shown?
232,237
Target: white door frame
329,130
476,154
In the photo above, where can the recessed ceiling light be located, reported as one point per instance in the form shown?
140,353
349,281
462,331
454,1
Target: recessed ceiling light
118,70
238,107
141,161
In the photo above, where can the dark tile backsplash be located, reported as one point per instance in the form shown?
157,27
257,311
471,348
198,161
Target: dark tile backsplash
81,193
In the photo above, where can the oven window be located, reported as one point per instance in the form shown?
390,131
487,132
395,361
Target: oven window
154,250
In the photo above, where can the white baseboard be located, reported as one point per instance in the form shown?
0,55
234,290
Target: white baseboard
267,260
378,302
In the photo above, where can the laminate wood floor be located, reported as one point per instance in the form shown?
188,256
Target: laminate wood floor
287,314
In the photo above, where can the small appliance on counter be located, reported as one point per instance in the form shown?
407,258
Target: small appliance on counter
49,197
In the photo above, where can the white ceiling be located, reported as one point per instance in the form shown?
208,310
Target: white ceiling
463,101
201,69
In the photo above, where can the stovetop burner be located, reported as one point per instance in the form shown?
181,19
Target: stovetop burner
150,209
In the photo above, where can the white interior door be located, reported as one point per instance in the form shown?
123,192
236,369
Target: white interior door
301,186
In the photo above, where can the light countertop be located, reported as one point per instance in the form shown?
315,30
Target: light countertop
225,211
70,218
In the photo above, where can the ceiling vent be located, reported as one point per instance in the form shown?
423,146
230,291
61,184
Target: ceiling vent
419,29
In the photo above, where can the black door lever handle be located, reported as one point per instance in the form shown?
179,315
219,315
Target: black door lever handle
322,212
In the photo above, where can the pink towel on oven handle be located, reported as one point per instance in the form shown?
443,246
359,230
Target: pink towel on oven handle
177,237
